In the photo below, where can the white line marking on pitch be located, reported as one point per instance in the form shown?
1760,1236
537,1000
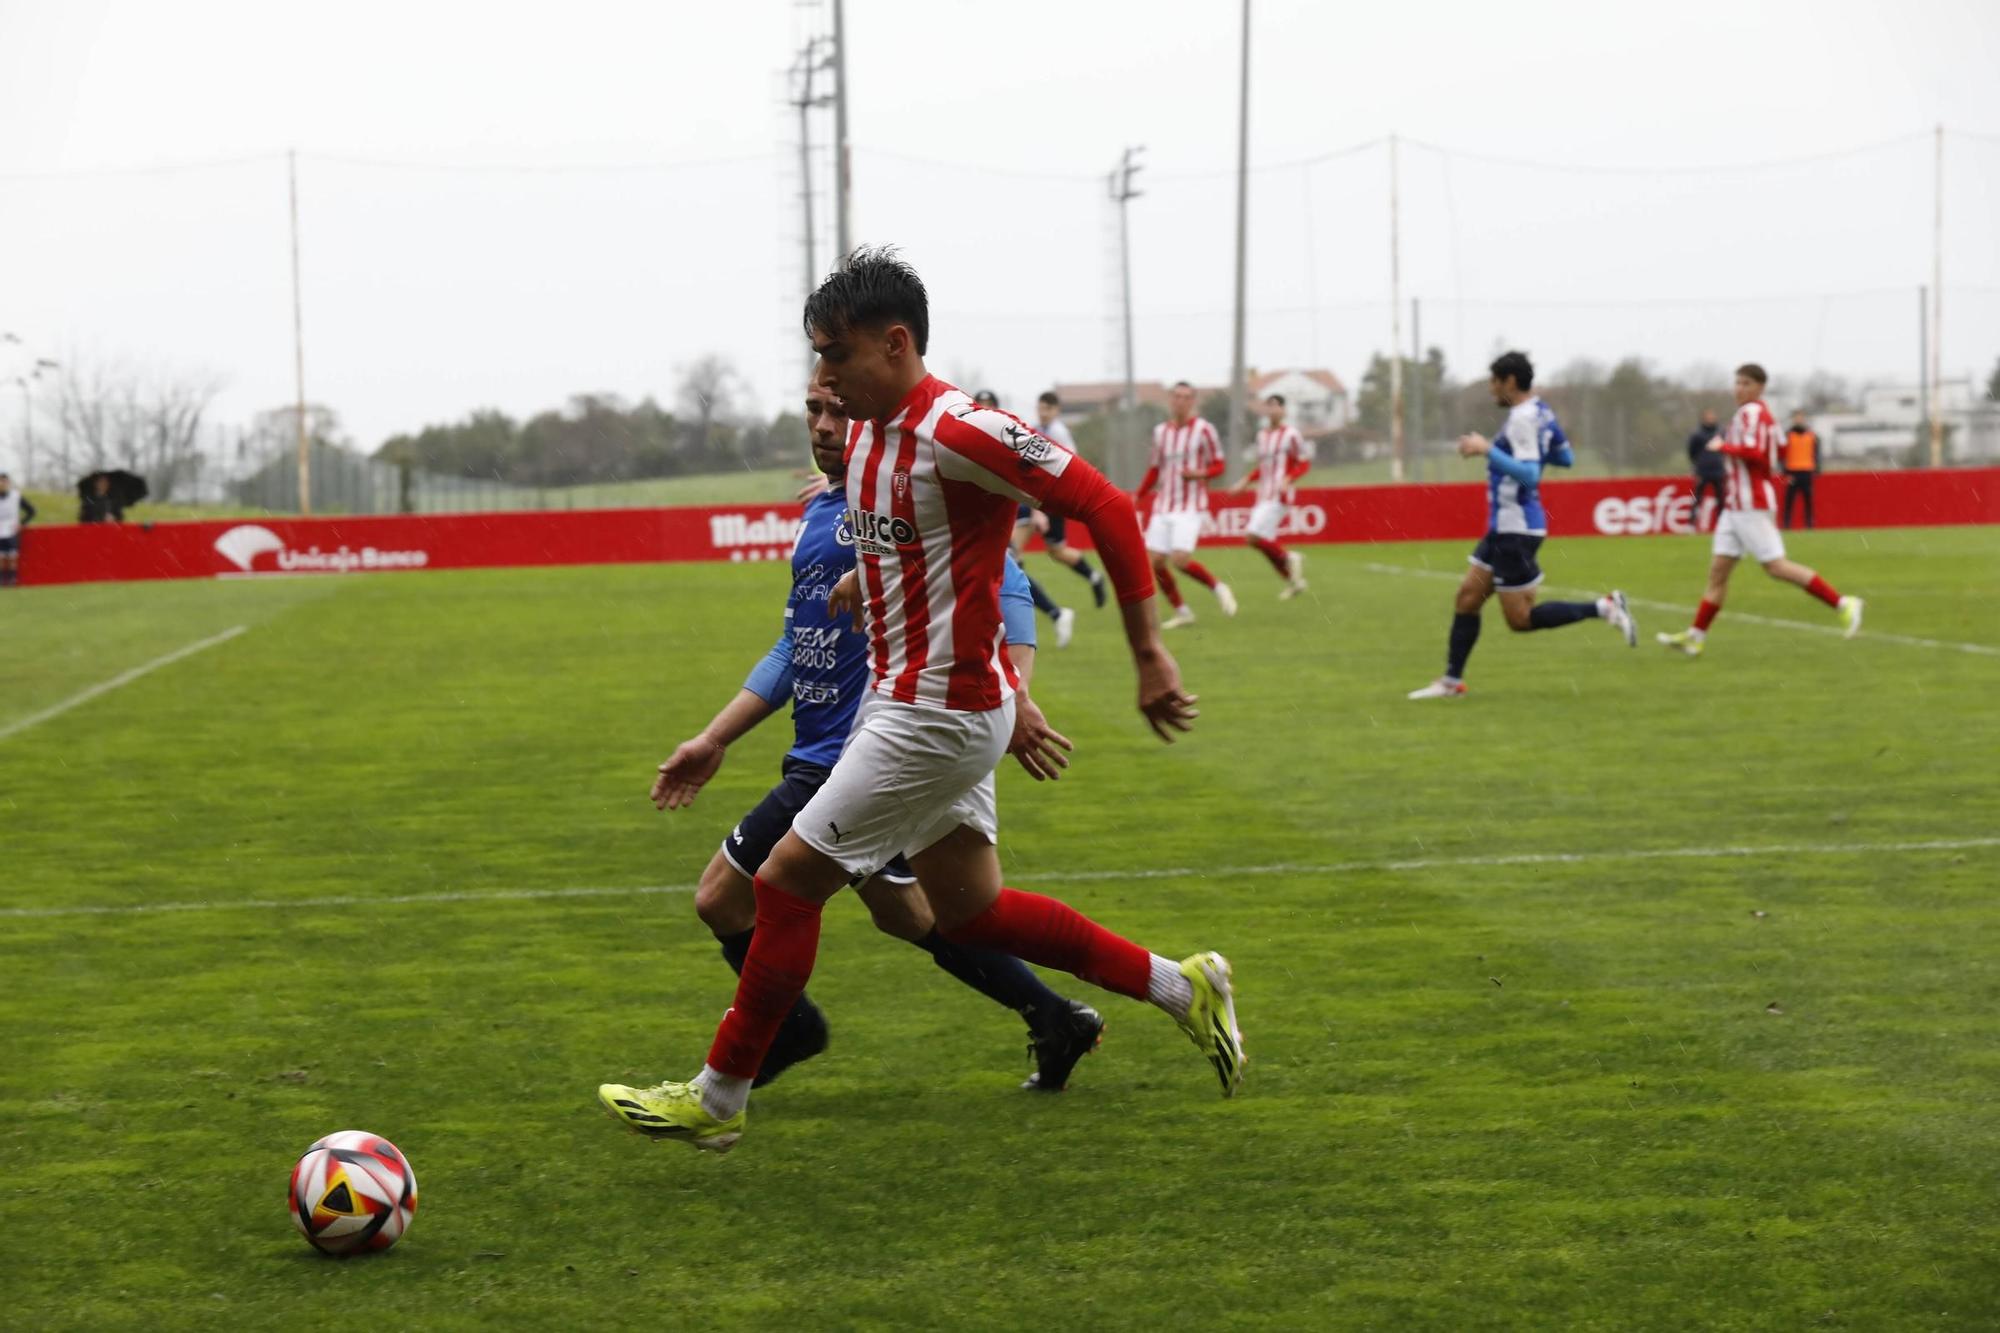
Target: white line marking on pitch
1049,877
1982,649
15,728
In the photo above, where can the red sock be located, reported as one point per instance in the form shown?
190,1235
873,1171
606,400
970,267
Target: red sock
774,976
1705,614
1054,934
1819,588
1164,576
1274,553
1193,569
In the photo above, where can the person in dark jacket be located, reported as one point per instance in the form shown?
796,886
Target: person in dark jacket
1710,472
99,504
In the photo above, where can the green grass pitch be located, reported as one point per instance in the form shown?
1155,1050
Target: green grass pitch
1628,992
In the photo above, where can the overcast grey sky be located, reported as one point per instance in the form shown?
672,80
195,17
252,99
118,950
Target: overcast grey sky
435,284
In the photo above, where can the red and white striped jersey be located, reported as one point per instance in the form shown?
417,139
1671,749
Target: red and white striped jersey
1177,447
1751,444
1282,454
932,490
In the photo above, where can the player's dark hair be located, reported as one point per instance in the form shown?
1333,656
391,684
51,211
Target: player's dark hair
876,288
1183,384
1277,398
987,398
1049,397
1750,370
1514,366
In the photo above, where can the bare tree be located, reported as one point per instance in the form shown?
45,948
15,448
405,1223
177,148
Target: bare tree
706,395
146,422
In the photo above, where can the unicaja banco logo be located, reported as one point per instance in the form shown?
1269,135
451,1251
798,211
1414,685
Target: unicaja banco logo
241,546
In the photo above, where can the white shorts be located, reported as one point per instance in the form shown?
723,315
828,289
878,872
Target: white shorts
1752,532
908,777
1167,533
1266,517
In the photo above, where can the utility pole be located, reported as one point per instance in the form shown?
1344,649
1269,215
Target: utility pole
1937,304
1416,433
843,170
809,62
1396,444
1238,389
1123,194
1923,360
299,343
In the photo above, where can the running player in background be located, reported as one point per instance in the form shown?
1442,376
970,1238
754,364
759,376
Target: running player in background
1283,456
1505,560
1064,618
1186,457
821,666
1748,524
1054,527
932,481
15,514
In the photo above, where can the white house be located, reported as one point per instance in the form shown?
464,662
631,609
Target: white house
1890,422
1315,400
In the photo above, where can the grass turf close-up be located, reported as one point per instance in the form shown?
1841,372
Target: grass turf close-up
1626,992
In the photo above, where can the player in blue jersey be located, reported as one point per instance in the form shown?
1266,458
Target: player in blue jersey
1505,559
821,665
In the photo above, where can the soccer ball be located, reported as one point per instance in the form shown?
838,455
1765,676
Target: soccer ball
353,1191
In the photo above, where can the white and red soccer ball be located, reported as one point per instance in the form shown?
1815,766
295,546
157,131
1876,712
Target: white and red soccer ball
352,1192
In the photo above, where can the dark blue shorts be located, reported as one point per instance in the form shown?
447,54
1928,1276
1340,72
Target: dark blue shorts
759,831
1511,557
1058,533
9,545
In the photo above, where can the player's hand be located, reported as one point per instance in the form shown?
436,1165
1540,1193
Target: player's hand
1042,750
845,599
691,765
1161,699
1194,473
1039,520
1472,445
1715,445
816,485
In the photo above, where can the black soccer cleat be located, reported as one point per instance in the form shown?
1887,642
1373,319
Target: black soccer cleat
1097,588
1058,1041
803,1036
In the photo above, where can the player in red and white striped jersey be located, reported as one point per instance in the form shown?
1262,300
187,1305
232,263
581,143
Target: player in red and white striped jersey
1186,457
1748,522
1283,456
933,481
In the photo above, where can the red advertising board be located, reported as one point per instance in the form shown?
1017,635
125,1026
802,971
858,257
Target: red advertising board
267,547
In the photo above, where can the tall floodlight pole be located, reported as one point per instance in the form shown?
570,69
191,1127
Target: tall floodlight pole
299,343
1123,194
1396,472
1937,304
843,172
1238,389
810,61
1924,358
1416,431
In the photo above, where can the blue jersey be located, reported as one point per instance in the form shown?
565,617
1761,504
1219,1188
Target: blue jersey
1530,439
822,663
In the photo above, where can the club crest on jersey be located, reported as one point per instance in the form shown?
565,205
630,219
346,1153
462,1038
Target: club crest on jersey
880,534
901,482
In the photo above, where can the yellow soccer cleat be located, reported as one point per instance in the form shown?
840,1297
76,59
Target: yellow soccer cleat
1850,616
1683,642
671,1111
1211,1020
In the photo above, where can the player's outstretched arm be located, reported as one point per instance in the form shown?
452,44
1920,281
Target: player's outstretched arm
697,759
